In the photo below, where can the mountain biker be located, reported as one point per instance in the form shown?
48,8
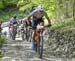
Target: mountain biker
27,23
0,27
22,25
13,21
37,18
13,25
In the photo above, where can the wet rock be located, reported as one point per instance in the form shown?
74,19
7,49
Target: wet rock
64,42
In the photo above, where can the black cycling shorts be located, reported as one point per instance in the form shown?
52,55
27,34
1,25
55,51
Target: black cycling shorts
36,22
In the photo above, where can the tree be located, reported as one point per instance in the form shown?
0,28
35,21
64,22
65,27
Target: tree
74,10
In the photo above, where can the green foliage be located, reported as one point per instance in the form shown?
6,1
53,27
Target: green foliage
1,5
9,3
58,10
50,6
1,55
1,40
25,5
7,15
1,43
23,2
67,25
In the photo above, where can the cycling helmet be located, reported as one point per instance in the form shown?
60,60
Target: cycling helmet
14,17
40,7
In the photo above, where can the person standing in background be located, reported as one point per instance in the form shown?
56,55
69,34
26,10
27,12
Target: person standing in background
0,27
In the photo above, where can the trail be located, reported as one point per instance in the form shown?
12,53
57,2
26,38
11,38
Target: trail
20,50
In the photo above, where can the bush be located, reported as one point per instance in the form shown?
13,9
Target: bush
1,5
1,55
1,40
1,43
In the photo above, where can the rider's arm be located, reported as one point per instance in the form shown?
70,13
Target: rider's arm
17,21
29,17
49,21
31,14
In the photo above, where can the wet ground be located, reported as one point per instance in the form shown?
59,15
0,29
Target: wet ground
20,50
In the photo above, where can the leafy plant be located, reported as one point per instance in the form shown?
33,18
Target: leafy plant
1,40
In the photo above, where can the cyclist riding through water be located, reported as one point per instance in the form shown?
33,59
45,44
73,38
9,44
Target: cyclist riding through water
37,18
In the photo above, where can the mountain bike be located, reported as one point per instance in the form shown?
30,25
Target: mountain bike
40,48
13,31
23,34
29,33
26,33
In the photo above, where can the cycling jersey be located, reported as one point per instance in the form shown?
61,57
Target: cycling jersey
13,22
37,14
37,17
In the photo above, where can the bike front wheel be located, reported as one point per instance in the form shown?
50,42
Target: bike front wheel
40,49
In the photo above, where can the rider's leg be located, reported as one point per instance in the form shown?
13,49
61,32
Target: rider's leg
34,29
33,34
34,40
33,37
38,38
34,26
38,35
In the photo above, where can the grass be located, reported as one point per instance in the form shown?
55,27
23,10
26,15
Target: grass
1,55
2,39
65,26
1,43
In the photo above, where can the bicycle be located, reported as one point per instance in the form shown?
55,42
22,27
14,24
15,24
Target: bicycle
29,33
21,31
13,32
26,33
23,34
40,49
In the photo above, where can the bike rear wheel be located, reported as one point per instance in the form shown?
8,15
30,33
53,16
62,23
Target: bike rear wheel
30,35
23,36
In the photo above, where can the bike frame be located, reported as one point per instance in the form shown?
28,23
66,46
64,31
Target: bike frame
40,50
41,46
13,32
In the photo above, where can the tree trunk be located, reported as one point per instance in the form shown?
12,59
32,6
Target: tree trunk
74,10
66,10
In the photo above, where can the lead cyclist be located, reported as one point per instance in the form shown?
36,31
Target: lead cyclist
37,18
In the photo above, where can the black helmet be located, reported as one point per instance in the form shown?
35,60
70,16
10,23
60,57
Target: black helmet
14,17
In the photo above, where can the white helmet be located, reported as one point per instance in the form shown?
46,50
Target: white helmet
40,7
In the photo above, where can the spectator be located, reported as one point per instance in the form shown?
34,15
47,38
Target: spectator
0,27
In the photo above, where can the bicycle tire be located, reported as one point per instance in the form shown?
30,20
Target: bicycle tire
26,36
30,35
14,35
23,36
41,48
